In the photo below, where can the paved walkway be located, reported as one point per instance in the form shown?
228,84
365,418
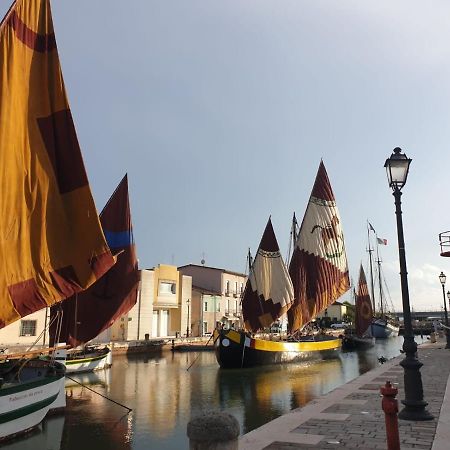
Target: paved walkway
351,415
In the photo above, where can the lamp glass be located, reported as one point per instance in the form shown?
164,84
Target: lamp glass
442,278
448,295
397,168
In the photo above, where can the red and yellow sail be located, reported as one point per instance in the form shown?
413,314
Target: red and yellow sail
318,267
363,307
87,314
51,241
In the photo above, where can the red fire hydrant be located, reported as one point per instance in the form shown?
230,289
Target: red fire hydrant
390,408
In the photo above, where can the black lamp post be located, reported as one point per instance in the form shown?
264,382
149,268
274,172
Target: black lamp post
397,167
443,279
187,326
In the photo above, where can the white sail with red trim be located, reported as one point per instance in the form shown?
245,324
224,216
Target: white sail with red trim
318,268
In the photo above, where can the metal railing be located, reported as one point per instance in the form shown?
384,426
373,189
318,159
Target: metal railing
444,242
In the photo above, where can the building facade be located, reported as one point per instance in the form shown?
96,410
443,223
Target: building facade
161,309
26,331
334,313
216,298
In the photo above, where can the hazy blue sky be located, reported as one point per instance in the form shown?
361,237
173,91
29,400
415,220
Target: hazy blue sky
220,112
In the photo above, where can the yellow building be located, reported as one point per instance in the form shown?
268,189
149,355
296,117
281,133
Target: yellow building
161,309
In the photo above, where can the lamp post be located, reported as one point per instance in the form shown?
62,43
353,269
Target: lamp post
448,297
187,325
443,279
397,167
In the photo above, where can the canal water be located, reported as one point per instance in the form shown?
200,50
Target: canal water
165,391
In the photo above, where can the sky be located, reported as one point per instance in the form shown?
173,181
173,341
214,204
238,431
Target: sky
220,112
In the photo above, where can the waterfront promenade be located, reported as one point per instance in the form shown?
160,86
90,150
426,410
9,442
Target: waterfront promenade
351,415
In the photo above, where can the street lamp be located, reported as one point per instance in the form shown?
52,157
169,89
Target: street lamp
397,167
187,325
443,279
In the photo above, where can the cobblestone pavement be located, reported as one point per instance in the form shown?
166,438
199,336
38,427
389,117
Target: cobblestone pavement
351,415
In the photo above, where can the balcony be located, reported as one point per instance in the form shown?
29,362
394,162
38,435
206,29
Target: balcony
444,242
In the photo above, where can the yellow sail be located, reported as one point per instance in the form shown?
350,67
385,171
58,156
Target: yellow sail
51,240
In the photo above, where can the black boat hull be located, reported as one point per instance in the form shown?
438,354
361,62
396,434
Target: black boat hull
234,349
357,343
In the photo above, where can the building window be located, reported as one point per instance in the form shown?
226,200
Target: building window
242,288
167,288
218,305
205,306
205,327
236,287
28,328
236,306
227,288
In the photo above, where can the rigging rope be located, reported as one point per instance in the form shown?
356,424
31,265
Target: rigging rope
98,393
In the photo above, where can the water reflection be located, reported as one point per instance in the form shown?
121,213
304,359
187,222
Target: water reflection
165,391
47,436
274,390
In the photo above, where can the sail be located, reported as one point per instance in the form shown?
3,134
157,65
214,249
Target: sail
52,244
268,293
318,266
89,313
363,306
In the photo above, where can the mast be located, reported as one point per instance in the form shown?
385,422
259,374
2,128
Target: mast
379,282
75,325
292,238
370,250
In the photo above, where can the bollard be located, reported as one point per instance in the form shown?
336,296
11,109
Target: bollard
390,408
213,430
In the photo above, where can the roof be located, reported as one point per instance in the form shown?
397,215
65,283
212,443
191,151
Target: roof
213,268
205,291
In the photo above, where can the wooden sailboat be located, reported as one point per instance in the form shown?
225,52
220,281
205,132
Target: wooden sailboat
383,326
87,314
362,339
319,268
52,244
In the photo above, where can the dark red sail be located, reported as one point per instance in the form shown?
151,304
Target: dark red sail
364,313
90,312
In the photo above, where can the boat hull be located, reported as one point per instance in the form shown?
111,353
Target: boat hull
383,330
351,342
235,349
23,405
95,360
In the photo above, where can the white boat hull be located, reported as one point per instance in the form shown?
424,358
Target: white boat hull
25,408
88,364
383,330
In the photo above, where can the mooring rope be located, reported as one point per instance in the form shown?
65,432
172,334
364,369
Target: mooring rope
98,393
198,356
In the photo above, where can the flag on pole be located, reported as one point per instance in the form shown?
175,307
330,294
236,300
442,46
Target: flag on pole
382,241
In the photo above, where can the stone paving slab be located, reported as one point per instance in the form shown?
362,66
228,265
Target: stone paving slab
360,402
